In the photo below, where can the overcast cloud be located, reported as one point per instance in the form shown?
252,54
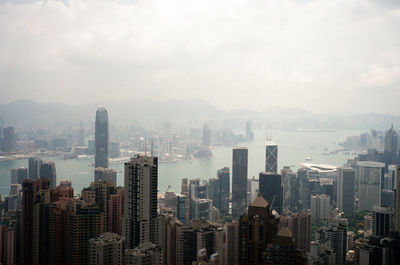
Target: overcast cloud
323,56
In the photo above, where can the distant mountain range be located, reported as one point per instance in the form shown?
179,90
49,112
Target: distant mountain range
152,113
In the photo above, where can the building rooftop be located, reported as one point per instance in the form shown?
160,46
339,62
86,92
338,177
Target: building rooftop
259,202
322,168
370,164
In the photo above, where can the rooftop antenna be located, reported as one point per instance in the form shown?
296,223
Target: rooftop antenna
145,148
273,200
151,152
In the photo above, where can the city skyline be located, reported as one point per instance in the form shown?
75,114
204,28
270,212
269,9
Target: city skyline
184,132
295,53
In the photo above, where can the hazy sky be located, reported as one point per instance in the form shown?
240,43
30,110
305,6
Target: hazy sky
323,56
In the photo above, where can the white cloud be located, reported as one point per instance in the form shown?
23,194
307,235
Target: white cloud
233,53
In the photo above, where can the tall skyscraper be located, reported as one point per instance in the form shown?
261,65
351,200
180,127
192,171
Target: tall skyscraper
213,191
271,189
257,229
105,174
18,175
81,135
144,254
397,204
336,233
382,221
48,171
116,211
239,181
34,167
232,243
206,135
390,149
271,157
283,250
249,132
140,202
101,138
224,188
320,206
107,249
34,194
102,191
370,177
299,225
9,142
198,235
346,191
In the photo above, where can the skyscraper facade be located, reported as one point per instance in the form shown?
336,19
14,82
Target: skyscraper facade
336,233
382,221
299,225
18,175
34,167
9,142
390,148
105,174
320,206
271,157
206,135
116,211
283,250
107,249
140,202
346,191
101,138
271,189
257,229
370,177
239,181
397,204
224,188
48,171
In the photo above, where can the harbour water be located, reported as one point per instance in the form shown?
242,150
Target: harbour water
293,147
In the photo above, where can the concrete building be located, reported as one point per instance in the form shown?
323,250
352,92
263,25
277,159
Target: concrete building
336,234
397,204
283,250
107,249
346,191
239,181
105,174
18,175
253,188
388,198
370,177
101,138
144,254
199,234
299,225
116,211
320,206
140,202
382,221
99,194
232,243
201,208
